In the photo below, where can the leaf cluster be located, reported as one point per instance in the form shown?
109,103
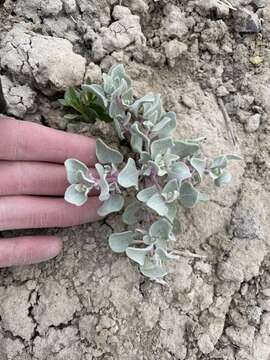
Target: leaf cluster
83,106
159,174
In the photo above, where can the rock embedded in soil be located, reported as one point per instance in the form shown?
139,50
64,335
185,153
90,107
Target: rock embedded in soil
123,32
70,6
51,7
93,72
174,23
20,99
14,310
253,123
245,21
48,63
173,50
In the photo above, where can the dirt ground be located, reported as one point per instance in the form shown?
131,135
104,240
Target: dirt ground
92,304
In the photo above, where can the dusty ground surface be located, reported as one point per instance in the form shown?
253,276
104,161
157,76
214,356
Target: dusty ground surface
92,304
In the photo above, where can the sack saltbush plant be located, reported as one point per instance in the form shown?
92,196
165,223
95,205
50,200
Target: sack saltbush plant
159,174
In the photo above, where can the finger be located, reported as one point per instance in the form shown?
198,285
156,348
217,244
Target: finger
32,178
28,250
25,212
23,140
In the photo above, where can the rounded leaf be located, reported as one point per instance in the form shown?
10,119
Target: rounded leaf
73,167
107,155
153,271
75,197
131,213
129,176
184,148
188,195
199,165
114,204
120,241
157,203
161,229
138,254
145,194
159,147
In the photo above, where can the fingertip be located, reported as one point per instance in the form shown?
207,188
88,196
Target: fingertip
55,246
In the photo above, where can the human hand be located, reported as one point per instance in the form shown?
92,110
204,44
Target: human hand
32,185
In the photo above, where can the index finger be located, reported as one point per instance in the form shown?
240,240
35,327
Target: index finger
27,141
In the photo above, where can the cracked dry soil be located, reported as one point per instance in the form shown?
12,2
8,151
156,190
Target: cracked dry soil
89,303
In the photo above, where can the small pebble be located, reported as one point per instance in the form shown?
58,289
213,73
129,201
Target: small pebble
188,101
222,91
254,314
253,123
246,21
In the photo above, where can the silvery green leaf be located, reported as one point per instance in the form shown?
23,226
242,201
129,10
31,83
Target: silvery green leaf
172,209
184,148
219,162
129,175
138,138
147,239
86,181
199,165
233,157
161,229
160,146
113,204
138,254
145,194
118,73
75,197
188,195
108,85
166,125
136,143
157,203
159,165
127,97
118,128
171,186
154,167
116,109
103,184
224,178
72,168
179,171
131,213
145,157
136,107
171,191
164,255
120,241
98,91
153,271
106,155
153,111
215,173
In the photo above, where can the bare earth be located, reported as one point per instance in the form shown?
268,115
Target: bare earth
92,304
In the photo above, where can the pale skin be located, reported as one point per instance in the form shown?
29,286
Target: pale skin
32,186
